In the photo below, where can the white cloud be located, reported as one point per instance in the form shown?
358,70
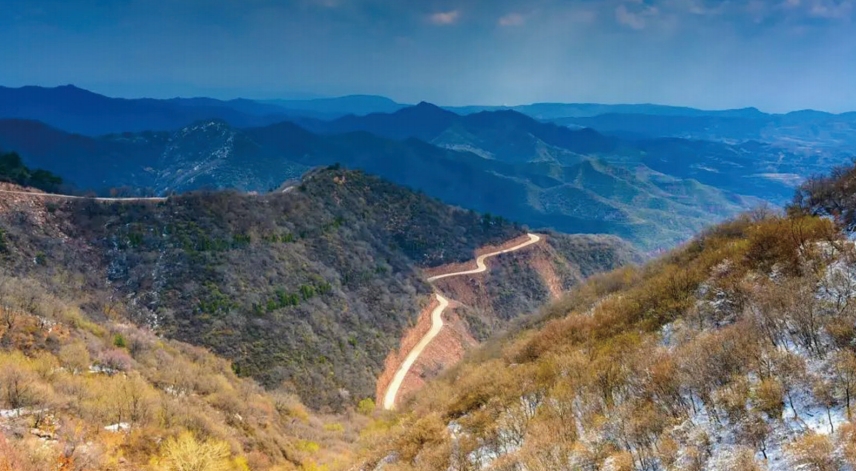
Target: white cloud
831,9
444,18
629,18
703,8
512,19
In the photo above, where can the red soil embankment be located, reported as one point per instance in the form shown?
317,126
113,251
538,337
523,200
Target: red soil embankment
447,349
461,288
408,341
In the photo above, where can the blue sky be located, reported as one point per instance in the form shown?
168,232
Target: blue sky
777,55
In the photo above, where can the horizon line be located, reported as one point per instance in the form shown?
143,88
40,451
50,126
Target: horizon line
316,97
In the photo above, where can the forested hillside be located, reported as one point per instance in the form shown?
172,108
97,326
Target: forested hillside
735,351
307,289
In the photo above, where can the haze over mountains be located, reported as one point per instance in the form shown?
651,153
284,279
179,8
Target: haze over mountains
80,111
646,177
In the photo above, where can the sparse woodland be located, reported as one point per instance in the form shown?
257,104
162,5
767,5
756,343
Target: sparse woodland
307,290
130,331
736,351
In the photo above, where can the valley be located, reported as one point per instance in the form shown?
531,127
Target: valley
419,287
380,235
108,256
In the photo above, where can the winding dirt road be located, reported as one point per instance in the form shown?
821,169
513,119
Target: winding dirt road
437,321
70,197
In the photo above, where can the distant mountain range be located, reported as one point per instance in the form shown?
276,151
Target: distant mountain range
505,163
749,168
795,130
549,111
634,179
350,104
80,111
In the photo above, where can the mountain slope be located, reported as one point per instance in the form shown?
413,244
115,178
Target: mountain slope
308,289
86,162
504,135
750,168
85,389
733,352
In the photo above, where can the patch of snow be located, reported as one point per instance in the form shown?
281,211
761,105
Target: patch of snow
121,426
20,412
98,369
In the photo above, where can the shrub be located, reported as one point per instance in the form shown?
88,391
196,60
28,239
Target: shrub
9,459
784,241
12,169
829,196
769,397
813,452
115,360
334,427
17,386
308,446
74,357
186,453
366,406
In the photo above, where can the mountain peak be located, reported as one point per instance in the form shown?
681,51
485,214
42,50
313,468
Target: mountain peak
425,104
423,107
426,107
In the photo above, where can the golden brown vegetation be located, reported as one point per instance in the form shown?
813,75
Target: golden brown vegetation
624,372
76,395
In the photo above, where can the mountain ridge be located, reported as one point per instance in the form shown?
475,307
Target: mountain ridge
519,172
276,283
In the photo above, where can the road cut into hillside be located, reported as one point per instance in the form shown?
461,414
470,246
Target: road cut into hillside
392,390
89,198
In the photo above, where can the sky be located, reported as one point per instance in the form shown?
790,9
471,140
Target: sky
777,55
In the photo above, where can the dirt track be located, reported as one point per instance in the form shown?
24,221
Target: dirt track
70,197
437,321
